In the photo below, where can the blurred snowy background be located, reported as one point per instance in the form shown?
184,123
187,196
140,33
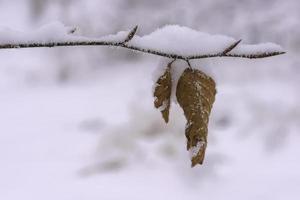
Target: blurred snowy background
79,123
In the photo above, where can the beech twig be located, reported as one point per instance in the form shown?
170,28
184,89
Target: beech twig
131,34
227,50
125,44
189,64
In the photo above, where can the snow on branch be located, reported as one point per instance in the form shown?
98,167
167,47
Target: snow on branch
171,41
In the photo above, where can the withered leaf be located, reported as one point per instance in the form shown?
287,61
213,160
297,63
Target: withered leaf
162,93
195,93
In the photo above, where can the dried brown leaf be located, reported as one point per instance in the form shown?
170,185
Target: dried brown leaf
195,93
162,93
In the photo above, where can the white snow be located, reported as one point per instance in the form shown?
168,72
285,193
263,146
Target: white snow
257,48
193,151
163,106
183,41
44,148
52,32
186,41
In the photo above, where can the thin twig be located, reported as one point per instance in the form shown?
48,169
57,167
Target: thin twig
170,63
125,44
228,49
131,34
189,64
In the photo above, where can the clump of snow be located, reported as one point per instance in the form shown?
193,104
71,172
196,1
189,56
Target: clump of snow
159,70
118,37
163,106
52,32
176,71
193,151
185,41
256,49
182,40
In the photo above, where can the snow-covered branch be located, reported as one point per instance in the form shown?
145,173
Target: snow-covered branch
172,41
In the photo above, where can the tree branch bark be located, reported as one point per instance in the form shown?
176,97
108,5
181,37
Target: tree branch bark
124,44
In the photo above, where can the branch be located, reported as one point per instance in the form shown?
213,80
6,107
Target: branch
231,47
125,44
131,34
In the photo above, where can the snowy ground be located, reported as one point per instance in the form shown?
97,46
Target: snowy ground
51,139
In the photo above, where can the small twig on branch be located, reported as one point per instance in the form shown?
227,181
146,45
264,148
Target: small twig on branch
189,64
125,44
131,34
227,50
